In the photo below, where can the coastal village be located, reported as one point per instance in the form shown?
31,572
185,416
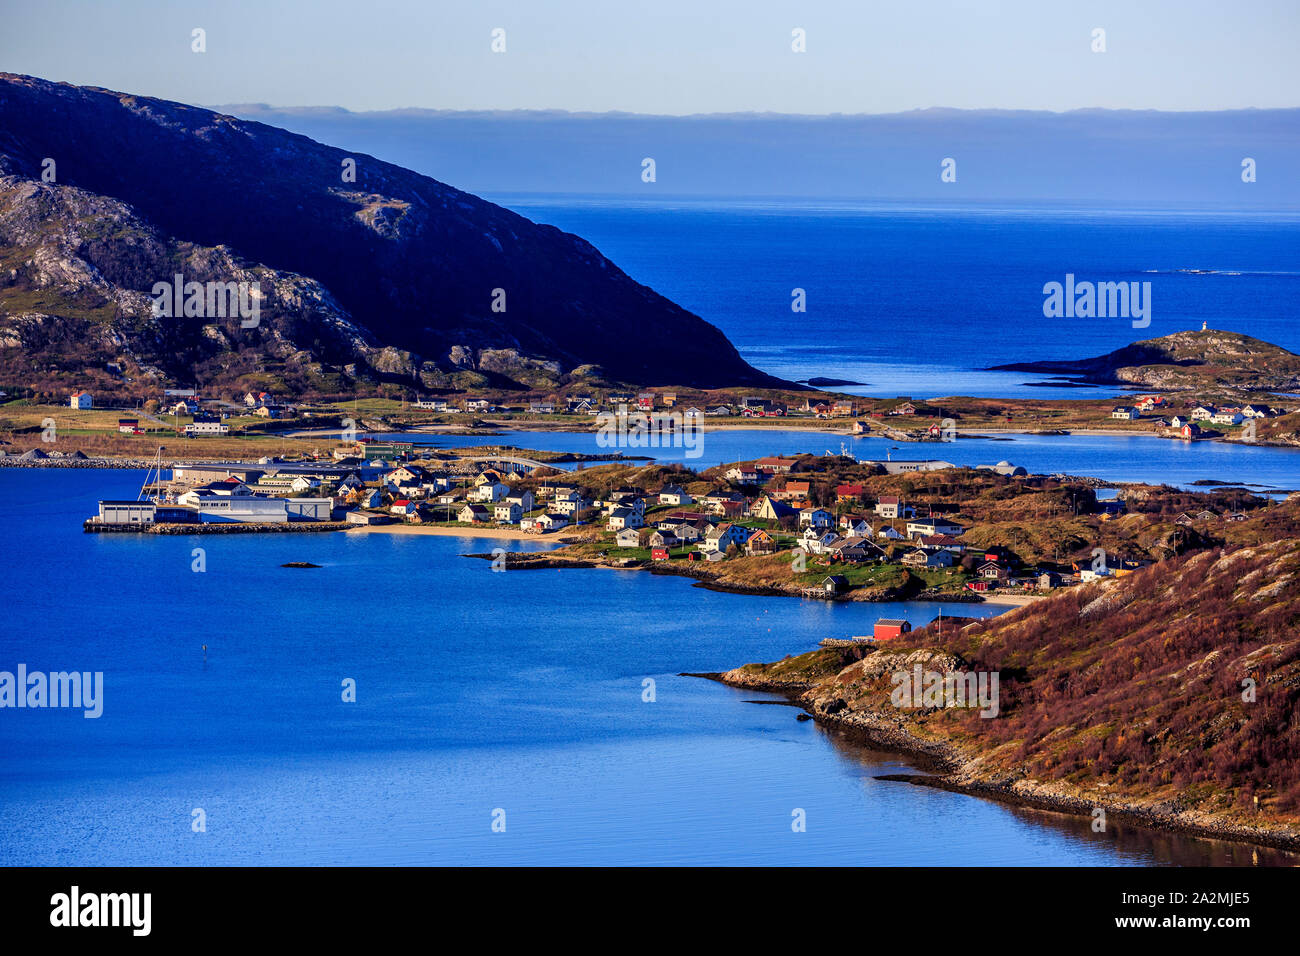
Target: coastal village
819,527
192,416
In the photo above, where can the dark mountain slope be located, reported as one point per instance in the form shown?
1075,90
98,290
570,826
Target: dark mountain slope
412,262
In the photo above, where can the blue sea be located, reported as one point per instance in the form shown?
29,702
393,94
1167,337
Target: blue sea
522,696
480,695
915,300
1264,469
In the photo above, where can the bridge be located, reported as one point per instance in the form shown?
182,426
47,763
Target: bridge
501,459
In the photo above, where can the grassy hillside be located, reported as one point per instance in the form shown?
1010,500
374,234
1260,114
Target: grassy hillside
1174,689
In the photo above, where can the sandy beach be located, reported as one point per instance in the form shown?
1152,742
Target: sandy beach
505,534
1015,600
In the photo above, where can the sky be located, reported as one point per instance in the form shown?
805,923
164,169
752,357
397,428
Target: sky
671,56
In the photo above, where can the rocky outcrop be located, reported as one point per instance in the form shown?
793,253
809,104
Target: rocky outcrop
376,272
1184,360
85,265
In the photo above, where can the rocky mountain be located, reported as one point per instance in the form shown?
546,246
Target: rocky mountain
367,272
1184,360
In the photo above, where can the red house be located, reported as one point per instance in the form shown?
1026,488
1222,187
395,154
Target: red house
887,629
844,492
658,554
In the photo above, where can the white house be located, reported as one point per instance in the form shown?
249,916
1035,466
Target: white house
923,527
635,502
816,518
855,527
674,495
891,506
524,500
722,536
663,539
81,400
571,504
199,429
684,530
628,538
621,518
924,558
507,512
742,476
492,492
817,541
405,475
550,522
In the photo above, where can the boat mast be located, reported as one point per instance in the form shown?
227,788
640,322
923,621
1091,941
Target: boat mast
154,466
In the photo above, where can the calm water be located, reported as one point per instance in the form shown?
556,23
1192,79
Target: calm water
1139,458
475,691
912,300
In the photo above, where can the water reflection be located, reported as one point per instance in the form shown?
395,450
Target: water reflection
1139,845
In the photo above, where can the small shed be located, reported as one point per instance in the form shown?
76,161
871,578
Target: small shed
835,584
887,628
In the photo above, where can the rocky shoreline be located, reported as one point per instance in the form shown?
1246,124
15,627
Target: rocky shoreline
18,461
952,769
706,578
262,527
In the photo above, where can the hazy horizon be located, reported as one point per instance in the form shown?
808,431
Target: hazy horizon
678,58
1082,156
739,114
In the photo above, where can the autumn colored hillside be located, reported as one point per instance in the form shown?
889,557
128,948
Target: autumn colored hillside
1179,683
